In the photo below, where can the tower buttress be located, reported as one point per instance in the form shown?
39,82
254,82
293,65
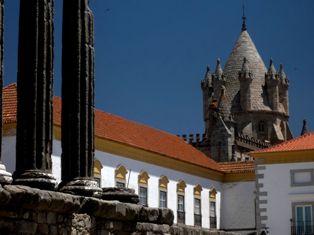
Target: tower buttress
245,78
207,90
272,84
283,89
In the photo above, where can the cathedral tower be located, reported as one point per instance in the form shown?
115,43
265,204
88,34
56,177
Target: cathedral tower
245,104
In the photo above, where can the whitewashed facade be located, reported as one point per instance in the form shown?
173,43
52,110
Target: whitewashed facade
284,191
110,162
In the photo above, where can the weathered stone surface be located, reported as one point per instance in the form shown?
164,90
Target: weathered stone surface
155,228
185,229
26,197
165,216
110,209
148,214
34,95
120,194
5,196
77,120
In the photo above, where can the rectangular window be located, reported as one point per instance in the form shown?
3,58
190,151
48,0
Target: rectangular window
197,212
162,199
212,215
303,219
302,177
143,196
120,184
181,209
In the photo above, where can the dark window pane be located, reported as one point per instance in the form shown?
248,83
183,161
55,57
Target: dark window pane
143,196
120,184
162,199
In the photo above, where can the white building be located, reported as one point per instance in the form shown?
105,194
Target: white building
285,187
163,169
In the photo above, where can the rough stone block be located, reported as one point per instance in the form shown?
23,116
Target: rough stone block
51,218
53,230
26,227
42,229
152,228
110,209
42,217
165,216
149,214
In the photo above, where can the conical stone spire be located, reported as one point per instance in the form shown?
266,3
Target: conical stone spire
207,81
282,75
218,70
271,68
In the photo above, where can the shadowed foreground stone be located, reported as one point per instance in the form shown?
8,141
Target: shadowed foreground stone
120,194
25,210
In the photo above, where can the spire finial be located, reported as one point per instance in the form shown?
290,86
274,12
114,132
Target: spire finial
243,18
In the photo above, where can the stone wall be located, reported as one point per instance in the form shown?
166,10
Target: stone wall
25,210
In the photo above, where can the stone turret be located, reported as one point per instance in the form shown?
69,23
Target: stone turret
283,89
245,78
272,86
207,89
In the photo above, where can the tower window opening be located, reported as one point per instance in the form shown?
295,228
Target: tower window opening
261,127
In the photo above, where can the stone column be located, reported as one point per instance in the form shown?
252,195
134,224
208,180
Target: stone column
34,95
5,177
78,99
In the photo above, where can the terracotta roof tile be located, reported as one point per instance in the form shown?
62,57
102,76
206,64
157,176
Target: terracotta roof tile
237,167
115,128
9,104
304,142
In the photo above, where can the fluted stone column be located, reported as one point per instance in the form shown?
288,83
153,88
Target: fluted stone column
34,95
5,177
78,99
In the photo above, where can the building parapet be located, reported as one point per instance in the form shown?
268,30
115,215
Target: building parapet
250,142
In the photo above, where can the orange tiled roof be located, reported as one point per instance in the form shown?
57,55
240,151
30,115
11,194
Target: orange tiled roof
237,167
115,128
304,142
9,104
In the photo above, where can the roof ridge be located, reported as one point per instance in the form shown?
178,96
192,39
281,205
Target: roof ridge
284,143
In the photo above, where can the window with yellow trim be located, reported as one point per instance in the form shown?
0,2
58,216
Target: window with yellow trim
97,172
163,189
181,202
120,176
212,208
198,205
143,178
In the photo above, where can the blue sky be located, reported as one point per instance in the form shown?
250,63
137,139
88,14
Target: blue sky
151,55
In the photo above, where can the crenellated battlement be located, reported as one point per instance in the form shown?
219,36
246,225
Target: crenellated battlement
194,139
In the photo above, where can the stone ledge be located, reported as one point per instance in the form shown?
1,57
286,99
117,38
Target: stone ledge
16,197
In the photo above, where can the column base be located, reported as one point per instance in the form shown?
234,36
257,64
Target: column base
81,187
5,177
35,179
